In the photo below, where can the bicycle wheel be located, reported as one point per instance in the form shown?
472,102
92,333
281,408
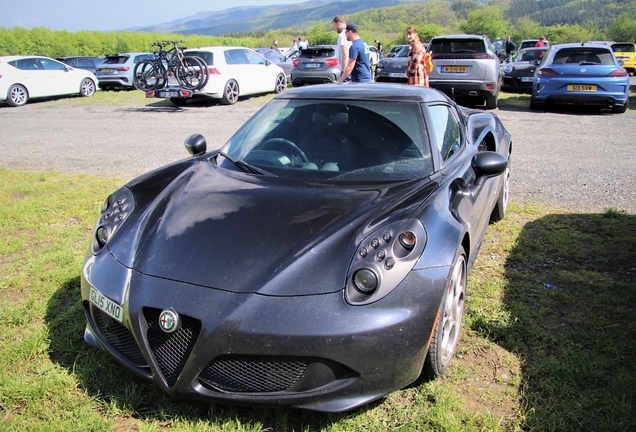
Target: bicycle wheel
148,75
192,73
205,71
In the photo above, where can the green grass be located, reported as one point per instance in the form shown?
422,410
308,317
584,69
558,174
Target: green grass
532,357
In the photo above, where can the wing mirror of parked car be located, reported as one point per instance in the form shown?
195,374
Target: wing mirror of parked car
196,144
488,164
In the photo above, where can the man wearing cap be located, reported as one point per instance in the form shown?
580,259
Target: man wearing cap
339,26
358,65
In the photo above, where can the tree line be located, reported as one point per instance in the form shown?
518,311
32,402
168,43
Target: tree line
521,19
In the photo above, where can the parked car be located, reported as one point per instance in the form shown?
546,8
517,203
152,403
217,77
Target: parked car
531,43
116,70
394,50
624,52
499,47
393,69
282,60
466,67
374,55
316,65
234,72
82,62
581,74
317,260
29,77
518,75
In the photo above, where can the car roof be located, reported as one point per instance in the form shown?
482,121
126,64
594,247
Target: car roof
217,48
580,45
460,36
365,91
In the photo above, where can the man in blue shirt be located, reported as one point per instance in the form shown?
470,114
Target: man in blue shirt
358,65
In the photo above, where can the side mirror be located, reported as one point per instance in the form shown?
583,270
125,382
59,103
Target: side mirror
196,144
488,164
620,63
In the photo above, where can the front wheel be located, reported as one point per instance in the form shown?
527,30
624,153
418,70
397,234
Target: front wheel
230,93
501,206
87,87
18,95
449,320
281,83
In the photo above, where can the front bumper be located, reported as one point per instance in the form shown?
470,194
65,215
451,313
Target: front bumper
313,352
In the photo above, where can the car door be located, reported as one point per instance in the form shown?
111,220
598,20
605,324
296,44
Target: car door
239,69
33,76
61,79
262,74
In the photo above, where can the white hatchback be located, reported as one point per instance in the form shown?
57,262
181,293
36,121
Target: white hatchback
26,77
235,72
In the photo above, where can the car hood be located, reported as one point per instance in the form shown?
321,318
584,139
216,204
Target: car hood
243,233
396,63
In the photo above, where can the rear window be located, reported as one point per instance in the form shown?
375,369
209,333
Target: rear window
626,47
205,55
115,59
584,56
457,47
318,52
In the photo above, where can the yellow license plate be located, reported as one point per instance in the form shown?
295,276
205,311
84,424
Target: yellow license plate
455,69
107,70
582,88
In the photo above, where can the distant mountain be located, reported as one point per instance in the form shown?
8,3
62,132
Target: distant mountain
263,18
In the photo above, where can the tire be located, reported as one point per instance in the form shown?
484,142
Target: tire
87,87
491,102
534,105
148,76
449,320
17,95
281,84
230,93
501,206
178,101
620,109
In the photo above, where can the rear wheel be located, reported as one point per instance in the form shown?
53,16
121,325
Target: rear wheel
449,320
534,105
87,87
491,102
230,93
18,95
620,109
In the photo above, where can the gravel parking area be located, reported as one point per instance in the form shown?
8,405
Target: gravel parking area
582,161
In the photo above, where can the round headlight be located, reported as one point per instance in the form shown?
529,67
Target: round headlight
365,280
508,68
102,235
408,240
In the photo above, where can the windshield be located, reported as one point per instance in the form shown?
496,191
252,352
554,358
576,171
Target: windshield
335,140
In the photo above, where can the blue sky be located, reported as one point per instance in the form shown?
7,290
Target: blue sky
106,15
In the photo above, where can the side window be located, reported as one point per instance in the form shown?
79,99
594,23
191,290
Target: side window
447,137
235,56
49,64
253,58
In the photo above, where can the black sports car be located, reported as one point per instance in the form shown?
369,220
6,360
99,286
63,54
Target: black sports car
393,69
318,260
519,73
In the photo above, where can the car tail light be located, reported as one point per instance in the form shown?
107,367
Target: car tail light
123,69
213,71
484,56
185,93
295,62
332,61
547,72
150,94
620,72
489,86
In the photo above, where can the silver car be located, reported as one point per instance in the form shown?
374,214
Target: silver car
466,66
116,70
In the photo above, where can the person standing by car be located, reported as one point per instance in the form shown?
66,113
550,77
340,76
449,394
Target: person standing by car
339,25
275,45
380,47
510,48
358,66
541,43
416,72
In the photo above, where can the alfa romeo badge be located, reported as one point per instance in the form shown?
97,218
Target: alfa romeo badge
169,321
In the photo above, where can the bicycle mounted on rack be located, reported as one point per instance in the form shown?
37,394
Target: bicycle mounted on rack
191,73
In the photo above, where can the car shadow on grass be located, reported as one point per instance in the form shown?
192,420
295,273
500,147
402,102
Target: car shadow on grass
108,384
569,314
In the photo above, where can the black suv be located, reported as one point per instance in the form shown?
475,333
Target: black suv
466,66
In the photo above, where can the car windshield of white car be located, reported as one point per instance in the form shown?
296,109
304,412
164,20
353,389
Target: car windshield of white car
583,56
344,141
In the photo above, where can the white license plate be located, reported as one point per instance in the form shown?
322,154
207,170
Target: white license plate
527,79
312,65
168,94
107,306
397,75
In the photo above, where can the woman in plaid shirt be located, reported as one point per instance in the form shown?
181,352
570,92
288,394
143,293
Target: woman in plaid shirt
416,73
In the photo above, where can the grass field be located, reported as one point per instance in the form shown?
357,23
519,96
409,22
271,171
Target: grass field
548,343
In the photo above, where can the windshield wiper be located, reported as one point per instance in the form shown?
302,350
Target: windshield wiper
244,165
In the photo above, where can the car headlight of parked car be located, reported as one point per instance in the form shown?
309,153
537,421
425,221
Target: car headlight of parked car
508,68
383,260
381,64
114,211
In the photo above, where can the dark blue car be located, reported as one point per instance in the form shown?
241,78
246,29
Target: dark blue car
581,74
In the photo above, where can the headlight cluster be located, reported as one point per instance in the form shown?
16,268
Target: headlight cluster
383,260
508,68
114,211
